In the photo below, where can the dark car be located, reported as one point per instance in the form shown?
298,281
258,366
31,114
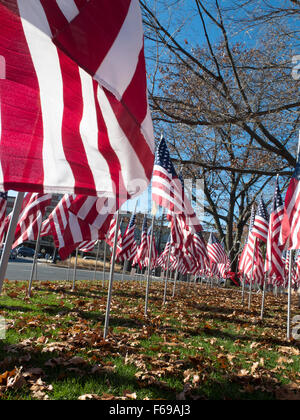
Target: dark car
24,251
12,255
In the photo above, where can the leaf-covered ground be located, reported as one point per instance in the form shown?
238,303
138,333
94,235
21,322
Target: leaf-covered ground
203,344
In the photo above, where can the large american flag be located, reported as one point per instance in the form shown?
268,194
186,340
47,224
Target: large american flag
74,99
261,222
290,225
274,265
167,189
3,205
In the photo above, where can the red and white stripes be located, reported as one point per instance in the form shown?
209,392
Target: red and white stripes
74,135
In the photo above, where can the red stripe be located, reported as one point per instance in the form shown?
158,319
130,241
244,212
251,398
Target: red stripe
73,111
94,29
135,96
108,152
20,109
133,133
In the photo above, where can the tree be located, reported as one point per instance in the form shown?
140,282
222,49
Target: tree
228,105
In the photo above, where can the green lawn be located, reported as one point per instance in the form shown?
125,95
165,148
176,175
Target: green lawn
201,345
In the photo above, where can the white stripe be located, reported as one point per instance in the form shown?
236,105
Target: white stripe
57,171
132,170
147,129
124,54
89,135
68,8
75,228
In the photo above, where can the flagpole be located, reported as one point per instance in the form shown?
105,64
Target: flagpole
175,280
10,236
104,262
123,272
75,269
68,269
243,289
288,335
252,274
96,262
34,260
111,277
149,267
263,298
167,276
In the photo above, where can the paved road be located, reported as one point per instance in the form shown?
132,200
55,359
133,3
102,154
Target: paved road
20,269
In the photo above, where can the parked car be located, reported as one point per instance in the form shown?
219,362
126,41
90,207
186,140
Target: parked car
12,255
25,251
88,257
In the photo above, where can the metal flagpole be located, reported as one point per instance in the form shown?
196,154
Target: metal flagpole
252,275
111,277
243,288
167,275
10,236
96,262
288,335
34,260
175,280
104,262
68,269
74,271
149,267
263,298
123,272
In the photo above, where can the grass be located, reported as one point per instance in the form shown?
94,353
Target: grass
203,344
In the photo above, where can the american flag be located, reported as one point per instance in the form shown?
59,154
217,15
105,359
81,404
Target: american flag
244,258
87,246
67,229
261,222
129,245
142,249
290,225
215,250
154,254
251,260
167,189
274,265
162,260
3,204
74,99
181,236
199,251
110,236
30,219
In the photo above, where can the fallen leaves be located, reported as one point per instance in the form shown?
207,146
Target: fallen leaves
17,379
200,340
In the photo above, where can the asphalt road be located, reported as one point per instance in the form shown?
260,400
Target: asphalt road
20,269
